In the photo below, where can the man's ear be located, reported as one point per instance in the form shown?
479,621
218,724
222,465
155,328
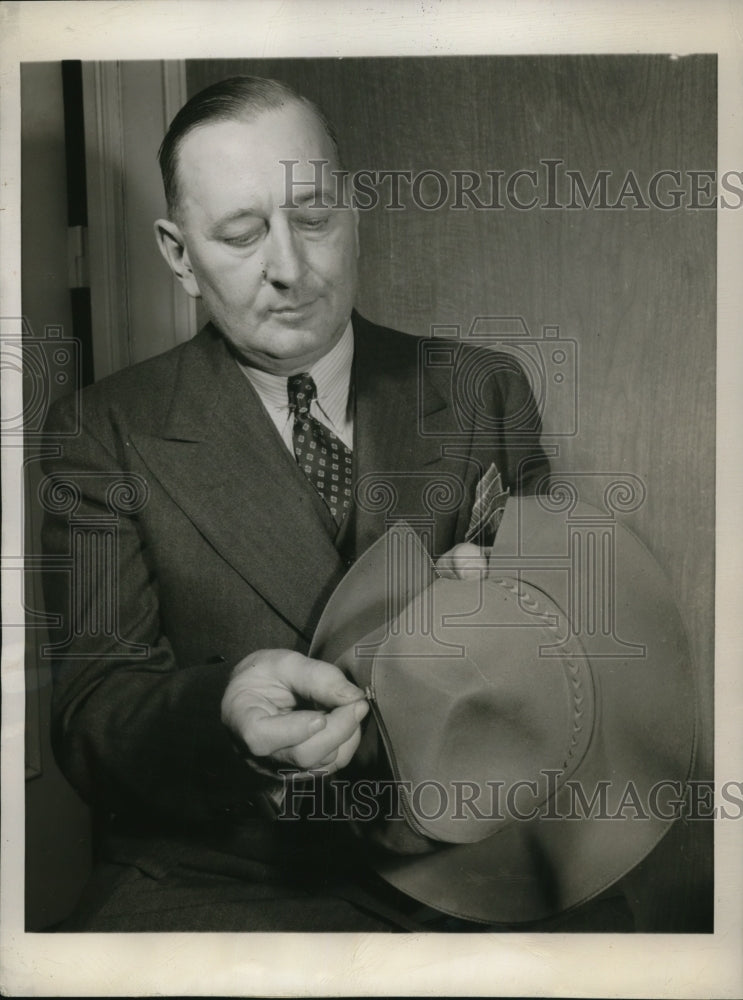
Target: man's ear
173,248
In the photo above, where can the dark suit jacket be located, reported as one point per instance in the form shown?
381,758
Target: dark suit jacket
231,550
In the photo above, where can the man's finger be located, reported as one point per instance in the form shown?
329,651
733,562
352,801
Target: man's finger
346,751
471,568
318,682
343,724
339,758
265,734
464,561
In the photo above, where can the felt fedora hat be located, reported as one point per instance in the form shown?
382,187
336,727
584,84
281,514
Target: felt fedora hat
537,722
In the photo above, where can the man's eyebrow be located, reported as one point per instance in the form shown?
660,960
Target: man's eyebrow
237,216
320,195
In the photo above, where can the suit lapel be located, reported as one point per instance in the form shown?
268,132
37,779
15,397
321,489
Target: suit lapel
223,463
391,450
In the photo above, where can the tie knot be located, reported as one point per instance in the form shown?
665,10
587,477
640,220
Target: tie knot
301,390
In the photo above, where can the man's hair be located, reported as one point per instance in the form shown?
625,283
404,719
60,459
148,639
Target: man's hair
238,98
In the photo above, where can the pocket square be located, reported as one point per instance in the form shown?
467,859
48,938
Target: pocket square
487,510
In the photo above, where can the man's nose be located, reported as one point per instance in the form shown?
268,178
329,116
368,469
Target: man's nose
284,263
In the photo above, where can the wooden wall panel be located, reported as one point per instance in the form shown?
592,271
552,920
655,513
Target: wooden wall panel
635,288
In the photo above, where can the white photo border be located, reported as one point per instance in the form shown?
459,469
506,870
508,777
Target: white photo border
362,965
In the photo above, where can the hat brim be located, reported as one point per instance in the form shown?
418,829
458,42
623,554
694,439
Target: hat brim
641,749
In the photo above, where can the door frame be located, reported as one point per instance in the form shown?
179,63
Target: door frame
135,314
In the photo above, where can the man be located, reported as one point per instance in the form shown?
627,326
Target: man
183,692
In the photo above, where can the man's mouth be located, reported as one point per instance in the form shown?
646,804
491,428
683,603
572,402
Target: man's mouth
297,311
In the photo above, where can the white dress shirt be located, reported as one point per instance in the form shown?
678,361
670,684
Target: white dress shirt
332,376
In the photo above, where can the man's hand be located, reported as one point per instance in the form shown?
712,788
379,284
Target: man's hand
464,562
294,712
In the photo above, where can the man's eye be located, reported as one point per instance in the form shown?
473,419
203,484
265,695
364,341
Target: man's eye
312,221
244,239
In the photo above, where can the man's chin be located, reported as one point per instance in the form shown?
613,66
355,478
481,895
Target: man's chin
286,351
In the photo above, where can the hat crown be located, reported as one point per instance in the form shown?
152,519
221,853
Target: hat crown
467,717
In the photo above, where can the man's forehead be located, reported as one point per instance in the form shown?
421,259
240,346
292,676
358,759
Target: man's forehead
255,147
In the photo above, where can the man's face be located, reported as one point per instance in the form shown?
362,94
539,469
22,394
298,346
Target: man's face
279,282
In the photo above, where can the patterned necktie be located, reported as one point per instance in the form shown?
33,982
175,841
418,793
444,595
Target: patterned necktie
322,456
